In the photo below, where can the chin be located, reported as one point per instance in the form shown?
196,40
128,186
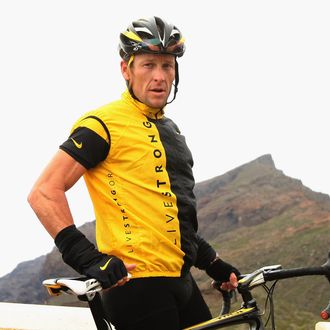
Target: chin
157,104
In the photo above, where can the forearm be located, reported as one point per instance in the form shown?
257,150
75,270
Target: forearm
205,253
52,208
48,199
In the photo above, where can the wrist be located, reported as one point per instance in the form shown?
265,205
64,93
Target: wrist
77,251
67,237
214,260
205,253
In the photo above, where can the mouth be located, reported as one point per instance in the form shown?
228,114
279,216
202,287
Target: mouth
158,91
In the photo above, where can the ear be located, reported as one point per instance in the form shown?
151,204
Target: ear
124,69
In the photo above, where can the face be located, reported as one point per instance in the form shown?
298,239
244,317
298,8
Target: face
151,77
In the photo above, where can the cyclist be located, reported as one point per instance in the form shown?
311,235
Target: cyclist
138,170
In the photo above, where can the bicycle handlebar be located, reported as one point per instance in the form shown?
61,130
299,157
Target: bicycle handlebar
294,272
271,273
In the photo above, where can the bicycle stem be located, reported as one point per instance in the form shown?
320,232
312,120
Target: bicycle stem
248,300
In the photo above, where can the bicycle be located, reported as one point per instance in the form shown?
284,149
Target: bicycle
249,313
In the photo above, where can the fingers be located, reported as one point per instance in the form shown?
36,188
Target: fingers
125,279
121,282
233,280
130,267
231,284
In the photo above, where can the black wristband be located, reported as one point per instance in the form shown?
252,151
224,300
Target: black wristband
77,251
67,237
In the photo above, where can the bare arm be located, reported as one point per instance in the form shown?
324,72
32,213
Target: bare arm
48,199
49,202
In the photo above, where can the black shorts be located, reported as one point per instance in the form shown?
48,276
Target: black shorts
156,303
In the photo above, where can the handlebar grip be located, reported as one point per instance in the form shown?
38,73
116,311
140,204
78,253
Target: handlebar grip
226,301
226,297
325,314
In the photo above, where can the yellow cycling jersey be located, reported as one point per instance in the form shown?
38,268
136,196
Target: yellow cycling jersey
140,182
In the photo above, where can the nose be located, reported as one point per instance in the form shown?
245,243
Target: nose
159,74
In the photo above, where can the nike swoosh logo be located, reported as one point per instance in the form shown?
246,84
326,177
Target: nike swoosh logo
78,145
104,267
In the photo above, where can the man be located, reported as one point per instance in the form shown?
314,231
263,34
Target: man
138,170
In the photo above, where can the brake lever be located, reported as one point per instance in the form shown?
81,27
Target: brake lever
327,265
325,314
256,278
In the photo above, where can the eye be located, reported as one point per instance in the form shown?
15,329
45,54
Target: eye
148,65
168,66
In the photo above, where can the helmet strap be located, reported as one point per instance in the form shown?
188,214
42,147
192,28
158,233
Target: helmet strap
129,62
176,81
129,87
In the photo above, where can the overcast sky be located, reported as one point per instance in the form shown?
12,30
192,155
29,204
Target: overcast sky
255,80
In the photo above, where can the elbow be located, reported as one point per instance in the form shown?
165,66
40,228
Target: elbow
32,198
37,197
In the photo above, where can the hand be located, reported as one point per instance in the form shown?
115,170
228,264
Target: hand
231,284
222,271
109,271
129,267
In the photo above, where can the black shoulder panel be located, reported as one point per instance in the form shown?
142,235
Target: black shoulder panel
86,146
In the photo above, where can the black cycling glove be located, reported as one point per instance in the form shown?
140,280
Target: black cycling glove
220,270
79,253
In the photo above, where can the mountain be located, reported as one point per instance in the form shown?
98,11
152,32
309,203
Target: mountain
254,215
252,194
13,286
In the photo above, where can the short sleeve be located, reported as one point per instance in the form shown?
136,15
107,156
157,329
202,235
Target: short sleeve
89,142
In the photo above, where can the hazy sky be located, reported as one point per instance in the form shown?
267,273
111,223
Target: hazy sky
255,79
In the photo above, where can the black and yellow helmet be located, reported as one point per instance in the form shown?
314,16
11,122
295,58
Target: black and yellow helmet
152,35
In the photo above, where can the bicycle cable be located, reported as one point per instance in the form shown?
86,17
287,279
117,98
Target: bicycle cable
269,299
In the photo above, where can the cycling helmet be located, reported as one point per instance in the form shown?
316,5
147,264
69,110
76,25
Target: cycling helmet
152,35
